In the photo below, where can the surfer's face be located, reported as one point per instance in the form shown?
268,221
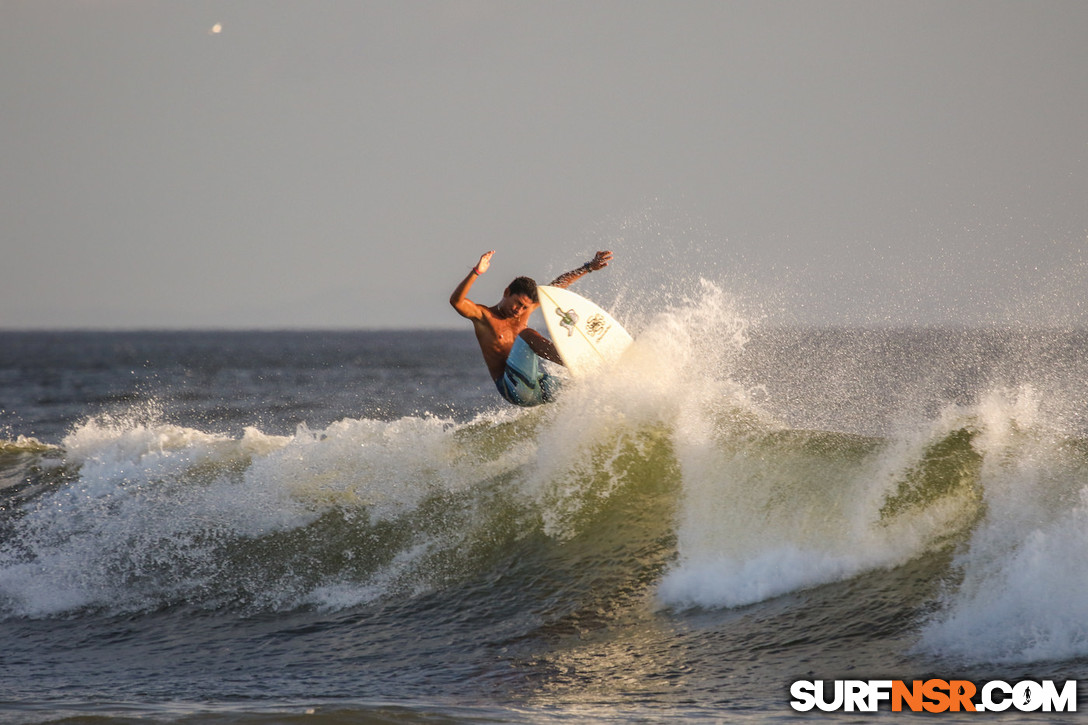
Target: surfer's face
516,304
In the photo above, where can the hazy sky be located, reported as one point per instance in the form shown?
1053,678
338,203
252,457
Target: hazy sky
342,164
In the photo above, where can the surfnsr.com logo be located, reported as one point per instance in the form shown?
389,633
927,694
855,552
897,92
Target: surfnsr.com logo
933,696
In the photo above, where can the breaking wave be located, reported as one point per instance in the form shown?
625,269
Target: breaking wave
674,477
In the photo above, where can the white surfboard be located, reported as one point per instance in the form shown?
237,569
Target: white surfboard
584,334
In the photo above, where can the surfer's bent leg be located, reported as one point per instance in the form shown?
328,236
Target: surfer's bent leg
517,389
540,345
523,382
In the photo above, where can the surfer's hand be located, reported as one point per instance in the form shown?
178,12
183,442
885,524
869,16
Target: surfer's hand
599,261
485,262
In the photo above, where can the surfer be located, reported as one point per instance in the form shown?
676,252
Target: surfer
511,349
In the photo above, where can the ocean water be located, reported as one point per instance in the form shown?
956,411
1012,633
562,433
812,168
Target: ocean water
334,527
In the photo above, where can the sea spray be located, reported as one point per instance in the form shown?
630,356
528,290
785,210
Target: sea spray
768,509
602,430
1024,590
754,514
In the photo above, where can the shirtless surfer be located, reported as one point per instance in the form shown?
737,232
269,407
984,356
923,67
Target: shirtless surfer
510,347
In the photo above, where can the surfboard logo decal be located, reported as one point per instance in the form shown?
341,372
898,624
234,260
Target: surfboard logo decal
592,335
597,327
567,319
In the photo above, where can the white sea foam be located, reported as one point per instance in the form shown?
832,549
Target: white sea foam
763,516
156,509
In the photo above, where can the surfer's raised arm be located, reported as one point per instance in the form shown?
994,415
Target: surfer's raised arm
464,306
599,261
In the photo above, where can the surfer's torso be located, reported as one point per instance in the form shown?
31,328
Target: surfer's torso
496,330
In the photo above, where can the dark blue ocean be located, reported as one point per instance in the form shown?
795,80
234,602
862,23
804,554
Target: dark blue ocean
346,527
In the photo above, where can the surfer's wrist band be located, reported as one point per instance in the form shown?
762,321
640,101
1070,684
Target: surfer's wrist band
477,271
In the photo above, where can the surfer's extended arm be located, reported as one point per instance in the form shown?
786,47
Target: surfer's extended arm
599,261
464,306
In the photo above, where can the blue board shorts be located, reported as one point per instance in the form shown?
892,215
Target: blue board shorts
524,381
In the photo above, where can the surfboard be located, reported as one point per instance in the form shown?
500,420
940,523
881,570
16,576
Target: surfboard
585,335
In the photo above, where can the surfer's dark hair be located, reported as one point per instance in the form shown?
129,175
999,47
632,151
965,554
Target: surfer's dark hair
524,286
